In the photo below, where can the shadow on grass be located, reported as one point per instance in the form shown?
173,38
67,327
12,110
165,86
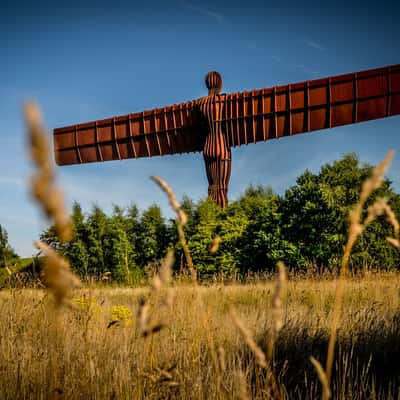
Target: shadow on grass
367,358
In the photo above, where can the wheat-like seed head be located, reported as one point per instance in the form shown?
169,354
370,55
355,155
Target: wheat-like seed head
214,246
374,182
381,207
391,218
57,274
182,220
172,199
43,187
142,317
165,272
375,210
147,324
394,242
221,359
277,298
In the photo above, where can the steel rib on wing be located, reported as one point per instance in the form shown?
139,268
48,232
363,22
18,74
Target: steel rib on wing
266,114
169,130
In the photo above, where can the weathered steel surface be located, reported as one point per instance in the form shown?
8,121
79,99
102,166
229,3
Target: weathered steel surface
217,122
168,130
246,117
216,152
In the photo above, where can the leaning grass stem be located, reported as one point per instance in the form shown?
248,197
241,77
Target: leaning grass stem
337,313
322,378
276,308
356,228
180,221
261,359
188,257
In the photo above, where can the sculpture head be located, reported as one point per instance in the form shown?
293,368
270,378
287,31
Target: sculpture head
213,83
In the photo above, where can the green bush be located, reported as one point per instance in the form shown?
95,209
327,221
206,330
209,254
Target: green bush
307,226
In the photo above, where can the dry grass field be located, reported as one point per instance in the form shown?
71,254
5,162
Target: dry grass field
99,348
305,338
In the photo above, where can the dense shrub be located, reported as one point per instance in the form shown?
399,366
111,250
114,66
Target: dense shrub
306,227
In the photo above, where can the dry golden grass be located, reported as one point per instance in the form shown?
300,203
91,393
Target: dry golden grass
196,342
77,356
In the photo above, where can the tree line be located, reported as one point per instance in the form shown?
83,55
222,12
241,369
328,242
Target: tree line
7,253
306,227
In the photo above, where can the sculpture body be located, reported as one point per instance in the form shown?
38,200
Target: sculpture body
217,122
216,152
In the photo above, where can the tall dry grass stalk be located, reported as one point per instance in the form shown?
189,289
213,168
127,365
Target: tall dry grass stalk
248,338
146,322
57,274
276,307
243,391
203,312
261,359
180,221
326,393
356,227
43,183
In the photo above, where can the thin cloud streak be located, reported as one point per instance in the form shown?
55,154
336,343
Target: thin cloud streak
204,11
301,67
306,69
315,45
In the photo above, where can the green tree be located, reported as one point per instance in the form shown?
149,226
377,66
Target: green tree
205,225
116,249
231,226
95,229
261,244
315,215
308,225
132,226
77,251
6,252
152,238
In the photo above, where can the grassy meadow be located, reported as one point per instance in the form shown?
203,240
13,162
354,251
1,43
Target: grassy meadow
98,348
306,337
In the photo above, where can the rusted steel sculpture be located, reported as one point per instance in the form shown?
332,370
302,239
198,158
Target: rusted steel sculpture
217,122
216,152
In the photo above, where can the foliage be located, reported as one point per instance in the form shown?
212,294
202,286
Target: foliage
306,226
315,216
7,254
262,243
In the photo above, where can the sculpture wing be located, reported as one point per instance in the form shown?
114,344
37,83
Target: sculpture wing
287,110
247,117
168,130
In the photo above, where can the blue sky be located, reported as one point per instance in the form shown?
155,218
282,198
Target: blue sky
94,60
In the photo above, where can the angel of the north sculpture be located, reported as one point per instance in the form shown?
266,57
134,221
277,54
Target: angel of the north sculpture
215,123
